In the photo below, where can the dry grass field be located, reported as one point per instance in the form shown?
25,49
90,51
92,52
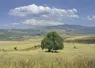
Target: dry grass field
83,56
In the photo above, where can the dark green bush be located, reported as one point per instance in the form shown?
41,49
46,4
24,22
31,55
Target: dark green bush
52,41
15,48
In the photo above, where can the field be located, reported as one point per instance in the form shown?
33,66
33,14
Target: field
29,56
81,39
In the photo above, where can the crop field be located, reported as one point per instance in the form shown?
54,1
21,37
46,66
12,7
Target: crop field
74,55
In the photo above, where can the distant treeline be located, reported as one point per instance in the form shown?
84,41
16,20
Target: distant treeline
89,40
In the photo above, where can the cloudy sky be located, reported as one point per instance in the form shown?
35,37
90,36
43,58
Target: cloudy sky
32,13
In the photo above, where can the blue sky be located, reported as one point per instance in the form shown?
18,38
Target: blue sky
30,13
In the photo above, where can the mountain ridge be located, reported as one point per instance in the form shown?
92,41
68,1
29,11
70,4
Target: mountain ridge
20,34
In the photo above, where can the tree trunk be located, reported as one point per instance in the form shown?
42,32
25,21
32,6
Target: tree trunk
49,50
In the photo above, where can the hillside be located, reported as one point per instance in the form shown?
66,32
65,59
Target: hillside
64,30
81,39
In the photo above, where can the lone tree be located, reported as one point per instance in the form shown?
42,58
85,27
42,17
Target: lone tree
52,41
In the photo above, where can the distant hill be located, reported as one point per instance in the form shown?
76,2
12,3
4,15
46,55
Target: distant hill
81,39
65,30
74,28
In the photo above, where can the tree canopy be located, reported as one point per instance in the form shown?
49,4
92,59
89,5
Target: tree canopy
52,41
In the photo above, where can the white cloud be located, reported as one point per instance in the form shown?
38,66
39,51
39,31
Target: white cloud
44,12
91,17
33,22
31,9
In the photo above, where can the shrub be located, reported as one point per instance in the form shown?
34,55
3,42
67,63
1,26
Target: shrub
15,48
75,47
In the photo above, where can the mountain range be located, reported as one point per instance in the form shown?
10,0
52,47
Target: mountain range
64,30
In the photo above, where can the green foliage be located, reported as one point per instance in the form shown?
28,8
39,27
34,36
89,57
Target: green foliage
52,41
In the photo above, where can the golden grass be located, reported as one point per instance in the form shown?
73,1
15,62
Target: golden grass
81,57
43,60
9,45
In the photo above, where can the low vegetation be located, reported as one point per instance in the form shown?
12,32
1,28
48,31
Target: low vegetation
47,61
28,54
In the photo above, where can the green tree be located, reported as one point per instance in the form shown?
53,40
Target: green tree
52,41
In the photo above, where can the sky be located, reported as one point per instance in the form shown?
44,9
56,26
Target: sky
32,13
